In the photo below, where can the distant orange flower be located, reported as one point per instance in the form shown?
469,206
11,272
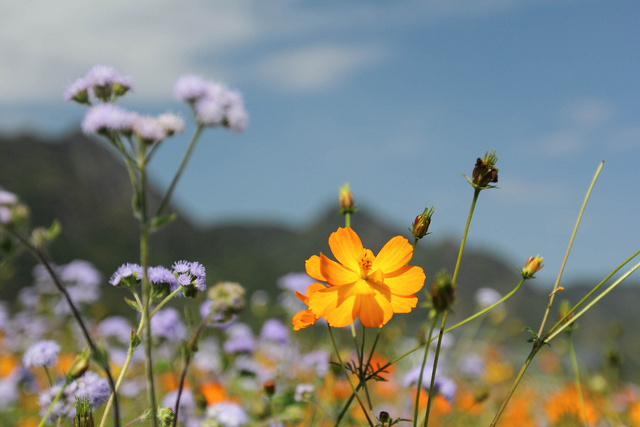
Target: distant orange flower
565,404
360,284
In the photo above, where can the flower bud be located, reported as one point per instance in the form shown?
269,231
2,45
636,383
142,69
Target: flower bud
269,388
421,223
345,199
485,171
563,313
531,267
442,292
384,417
166,417
80,365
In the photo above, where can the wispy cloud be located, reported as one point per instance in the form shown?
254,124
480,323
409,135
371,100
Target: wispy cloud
587,113
318,67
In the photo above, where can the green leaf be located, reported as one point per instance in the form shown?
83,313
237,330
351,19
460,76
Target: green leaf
133,304
160,221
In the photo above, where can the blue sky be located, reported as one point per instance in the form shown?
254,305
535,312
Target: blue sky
398,98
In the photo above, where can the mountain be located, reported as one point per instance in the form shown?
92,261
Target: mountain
82,183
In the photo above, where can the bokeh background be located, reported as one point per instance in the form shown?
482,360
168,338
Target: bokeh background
398,98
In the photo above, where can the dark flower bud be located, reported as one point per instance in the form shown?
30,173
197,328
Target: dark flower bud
421,223
442,292
384,417
269,388
485,171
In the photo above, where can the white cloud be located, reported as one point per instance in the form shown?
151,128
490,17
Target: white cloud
587,113
316,67
559,143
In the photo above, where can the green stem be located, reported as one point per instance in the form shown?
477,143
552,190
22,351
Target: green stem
592,291
566,256
44,419
576,373
476,193
344,370
424,363
146,284
435,367
183,163
526,364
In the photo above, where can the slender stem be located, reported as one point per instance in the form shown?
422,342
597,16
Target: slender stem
526,364
476,193
344,370
40,256
185,159
146,284
592,291
435,367
44,419
576,373
569,322
424,363
566,256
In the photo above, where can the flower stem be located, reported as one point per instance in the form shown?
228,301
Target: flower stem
424,363
344,370
435,367
576,373
44,419
183,163
566,256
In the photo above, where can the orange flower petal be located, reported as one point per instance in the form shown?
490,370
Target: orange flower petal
321,299
347,247
312,266
360,287
396,253
343,314
302,319
375,311
405,281
403,304
337,274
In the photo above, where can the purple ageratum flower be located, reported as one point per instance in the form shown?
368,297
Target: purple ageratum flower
295,282
187,402
167,324
240,339
181,266
126,271
116,327
274,330
446,387
79,271
61,408
78,91
171,123
160,275
190,88
318,361
5,215
191,276
472,365
228,414
236,116
92,386
107,117
42,353
104,75
148,128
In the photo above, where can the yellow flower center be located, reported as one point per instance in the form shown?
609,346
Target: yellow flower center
365,262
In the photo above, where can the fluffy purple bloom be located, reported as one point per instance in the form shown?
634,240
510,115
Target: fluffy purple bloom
209,111
187,403
92,386
80,271
9,391
116,327
148,128
126,271
42,353
276,331
107,117
318,361
236,116
228,414
167,324
240,339
104,75
181,266
161,275
171,123
191,276
78,91
190,88
304,392
471,365
446,387
5,215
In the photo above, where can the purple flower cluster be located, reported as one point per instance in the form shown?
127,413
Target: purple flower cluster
240,339
228,414
42,353
167,324
126,275
101,81
190,276
92,386
213,103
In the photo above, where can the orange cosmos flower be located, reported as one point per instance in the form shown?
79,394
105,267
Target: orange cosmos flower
360,284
